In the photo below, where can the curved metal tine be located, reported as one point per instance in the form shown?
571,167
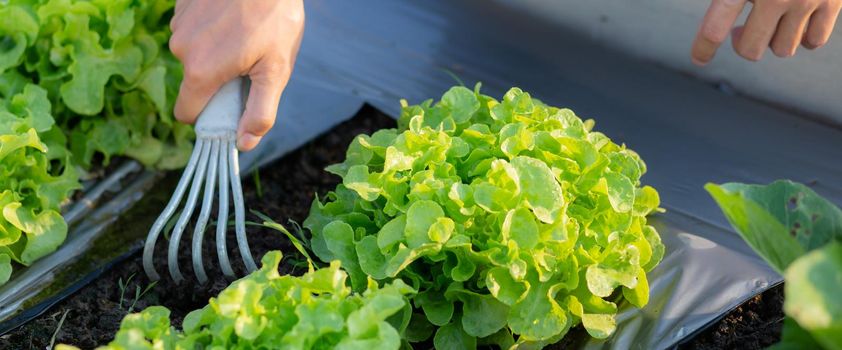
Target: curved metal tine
152,237
239,210
204,214
186,213
222,220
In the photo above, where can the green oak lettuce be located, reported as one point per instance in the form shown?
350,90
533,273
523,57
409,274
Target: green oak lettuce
514,220
107,72
35,177
267,311
80,82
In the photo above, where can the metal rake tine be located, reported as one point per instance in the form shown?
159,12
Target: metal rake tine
222,219
172,205
189,206
239,210
204,214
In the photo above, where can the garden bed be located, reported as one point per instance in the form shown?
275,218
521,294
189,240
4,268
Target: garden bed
284,191
756,324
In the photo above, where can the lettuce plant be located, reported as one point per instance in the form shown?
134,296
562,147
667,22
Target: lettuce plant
267,311
78,79
799,234
106,69
514,220
35,177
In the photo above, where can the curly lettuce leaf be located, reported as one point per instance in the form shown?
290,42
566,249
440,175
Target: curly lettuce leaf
18,30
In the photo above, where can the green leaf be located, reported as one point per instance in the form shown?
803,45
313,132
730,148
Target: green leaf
17,30
504,287
93,66
438,310
10,143
618,268
364,322
391,233
538,316
44,231
451,336
340,241
33,104
781,221
482,315
620,191
813,285
646,200
539,188
419,328
372,262
639,295
420,217
358,180
5,267
441,230
519,226
461,102
599,326
793,337
386,338
153,322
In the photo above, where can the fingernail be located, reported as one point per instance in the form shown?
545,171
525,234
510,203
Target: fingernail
247,142
812,45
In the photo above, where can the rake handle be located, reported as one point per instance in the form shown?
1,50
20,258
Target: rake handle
220,117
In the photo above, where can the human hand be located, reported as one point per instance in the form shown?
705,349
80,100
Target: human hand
218,40
779,24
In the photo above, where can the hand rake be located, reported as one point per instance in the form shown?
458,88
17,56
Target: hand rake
214,160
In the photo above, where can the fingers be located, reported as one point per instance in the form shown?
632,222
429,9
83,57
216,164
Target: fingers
759,29
196,90
821,25
203,76
790,32
268,80
778,24
736,34
715,27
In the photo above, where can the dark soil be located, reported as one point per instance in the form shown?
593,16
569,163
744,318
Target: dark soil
756,324
285,192
287,187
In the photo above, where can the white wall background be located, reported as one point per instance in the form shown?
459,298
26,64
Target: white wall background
663,31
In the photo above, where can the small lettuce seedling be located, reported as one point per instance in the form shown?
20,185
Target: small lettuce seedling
514,220
265,310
